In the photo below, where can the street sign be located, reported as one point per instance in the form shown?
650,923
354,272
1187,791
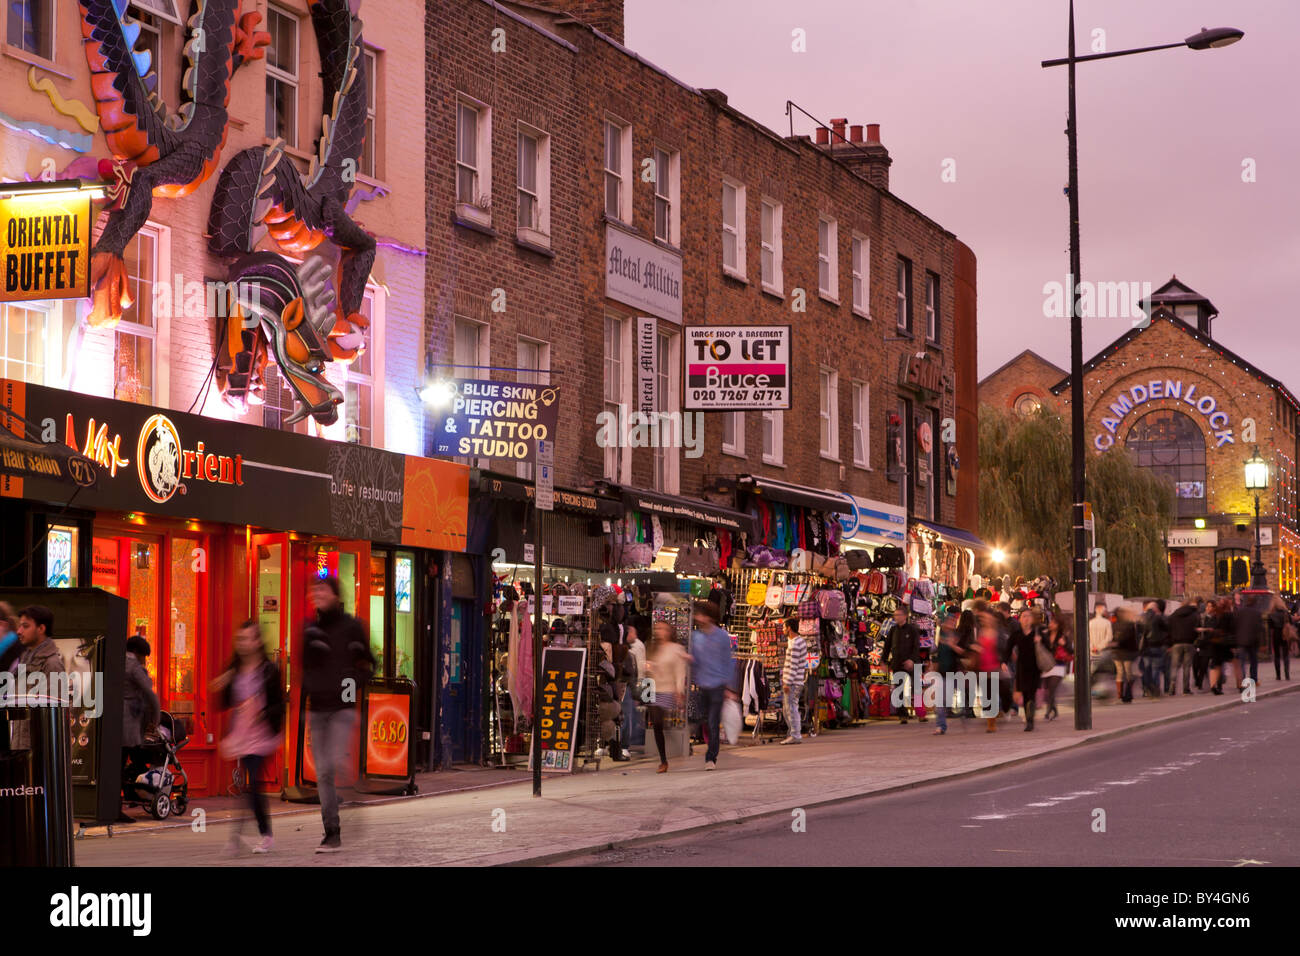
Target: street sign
546,475
1087,516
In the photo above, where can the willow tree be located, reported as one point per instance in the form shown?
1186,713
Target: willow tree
1024,494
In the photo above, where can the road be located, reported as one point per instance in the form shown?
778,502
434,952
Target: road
1217,790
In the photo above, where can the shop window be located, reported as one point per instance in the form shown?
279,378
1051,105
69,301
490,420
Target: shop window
135,335
1177,571
378,595
282,76
1171,445
1231,569
31,26
187,593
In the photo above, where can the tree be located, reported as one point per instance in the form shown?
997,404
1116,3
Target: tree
1024,494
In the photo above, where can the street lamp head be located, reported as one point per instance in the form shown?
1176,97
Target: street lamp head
438,393
998,555
1214,38
1256,472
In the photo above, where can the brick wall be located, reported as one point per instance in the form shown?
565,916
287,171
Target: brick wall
1027,372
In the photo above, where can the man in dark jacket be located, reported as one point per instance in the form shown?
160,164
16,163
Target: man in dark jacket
1155,642
1182,648
904,655
336,663
39,654
1248,629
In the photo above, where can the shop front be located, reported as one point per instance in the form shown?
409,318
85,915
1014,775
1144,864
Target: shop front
202,524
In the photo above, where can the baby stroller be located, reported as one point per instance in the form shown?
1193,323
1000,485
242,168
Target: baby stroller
154,778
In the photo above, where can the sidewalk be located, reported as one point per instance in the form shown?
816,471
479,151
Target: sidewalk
629,803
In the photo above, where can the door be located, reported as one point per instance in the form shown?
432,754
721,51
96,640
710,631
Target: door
271,609
456,698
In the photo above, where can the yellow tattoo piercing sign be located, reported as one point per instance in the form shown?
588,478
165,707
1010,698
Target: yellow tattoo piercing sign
44,246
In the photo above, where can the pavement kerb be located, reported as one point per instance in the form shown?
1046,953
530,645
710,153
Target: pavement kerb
741,817
726,817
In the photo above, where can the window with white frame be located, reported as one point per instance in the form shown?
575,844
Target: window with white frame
667,165
862,276
150,40
534,220
773,436
733,228
665,474
282,76
370,148
135,336
534,355
828,278
904,294
618,165
614,391
472,356
771,265
25,332
733,433
31,26
932,307
473,159
359,382
862,424
828,391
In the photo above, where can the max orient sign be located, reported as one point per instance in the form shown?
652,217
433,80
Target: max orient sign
1173,389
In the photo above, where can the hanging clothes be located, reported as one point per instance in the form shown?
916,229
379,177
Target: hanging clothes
512,658
524,683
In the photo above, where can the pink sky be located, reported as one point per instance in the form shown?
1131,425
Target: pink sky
1162,140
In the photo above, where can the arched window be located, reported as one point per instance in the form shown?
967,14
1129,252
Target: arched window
1171,444
1027,403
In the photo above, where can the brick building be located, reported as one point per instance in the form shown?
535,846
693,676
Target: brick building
1192,411
755,227
1022,384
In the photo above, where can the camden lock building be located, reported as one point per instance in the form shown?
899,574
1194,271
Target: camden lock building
1191,411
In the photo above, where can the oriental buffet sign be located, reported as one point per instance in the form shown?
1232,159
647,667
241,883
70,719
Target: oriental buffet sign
1156,389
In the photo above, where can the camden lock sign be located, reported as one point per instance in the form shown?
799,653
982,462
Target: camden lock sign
1154,390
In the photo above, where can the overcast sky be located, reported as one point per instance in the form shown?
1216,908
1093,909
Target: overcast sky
1163,138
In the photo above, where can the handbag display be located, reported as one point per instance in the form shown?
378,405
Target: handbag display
858,559
830,604
795,594
888,556
699,558
756,594
809,626
773,596
808,610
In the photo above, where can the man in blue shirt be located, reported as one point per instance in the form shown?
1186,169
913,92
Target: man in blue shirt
714,670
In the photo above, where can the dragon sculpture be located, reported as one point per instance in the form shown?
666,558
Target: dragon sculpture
272,304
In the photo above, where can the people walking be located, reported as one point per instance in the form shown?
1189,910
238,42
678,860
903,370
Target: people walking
1060,643
1182,644
337,662
666,666
251,693
1248,630
714,665
904,651
966,640
140,710
794,673
945,661
991,668
1022,651
1279,619
1154,631
39,654
1100,633
1222,643
1124,649
632,702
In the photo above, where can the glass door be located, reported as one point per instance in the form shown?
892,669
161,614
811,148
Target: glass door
187,590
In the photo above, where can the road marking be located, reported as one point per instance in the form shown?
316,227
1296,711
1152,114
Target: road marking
1256,862
971,826
991,816
1121,783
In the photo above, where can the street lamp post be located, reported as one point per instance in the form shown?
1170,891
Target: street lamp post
1206,39
1257,481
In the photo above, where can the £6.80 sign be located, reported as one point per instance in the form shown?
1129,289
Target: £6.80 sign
737,368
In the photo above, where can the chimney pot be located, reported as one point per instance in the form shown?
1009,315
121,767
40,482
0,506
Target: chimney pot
823,136
873,132
838,125
855,134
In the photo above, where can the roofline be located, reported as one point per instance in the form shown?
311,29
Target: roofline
1017,358
520,18
744,118
1133,333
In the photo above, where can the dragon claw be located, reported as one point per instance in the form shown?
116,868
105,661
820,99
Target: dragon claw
250,42
346,340
110,294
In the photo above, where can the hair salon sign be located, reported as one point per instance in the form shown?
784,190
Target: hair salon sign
1156,389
